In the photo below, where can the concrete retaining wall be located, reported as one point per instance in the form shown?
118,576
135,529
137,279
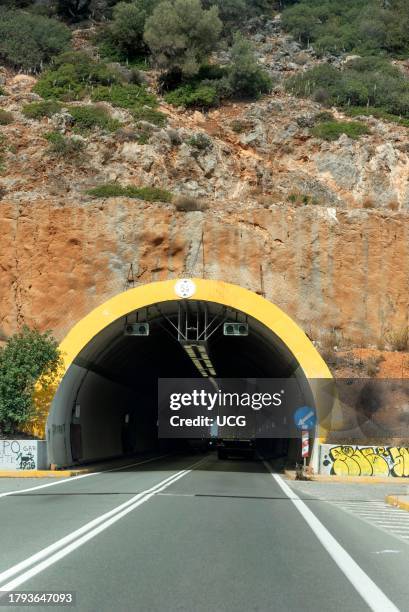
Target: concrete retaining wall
354,460
23,455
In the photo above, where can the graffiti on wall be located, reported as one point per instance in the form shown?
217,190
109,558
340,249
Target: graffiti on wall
365,460
18,454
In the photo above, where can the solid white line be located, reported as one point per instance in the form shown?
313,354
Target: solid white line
74,540
72,478
367,589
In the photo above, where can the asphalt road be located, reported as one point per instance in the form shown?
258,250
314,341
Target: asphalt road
196,534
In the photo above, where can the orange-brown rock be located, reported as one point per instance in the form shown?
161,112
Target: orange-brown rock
329,270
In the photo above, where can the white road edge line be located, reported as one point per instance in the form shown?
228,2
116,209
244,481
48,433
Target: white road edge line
72,478
74,540
363,584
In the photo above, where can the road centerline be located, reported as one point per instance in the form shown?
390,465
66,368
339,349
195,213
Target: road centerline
59,549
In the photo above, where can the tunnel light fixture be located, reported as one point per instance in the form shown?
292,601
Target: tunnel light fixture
197,352
235,329
136,329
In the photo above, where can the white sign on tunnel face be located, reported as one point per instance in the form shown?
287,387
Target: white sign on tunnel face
23,454
185,288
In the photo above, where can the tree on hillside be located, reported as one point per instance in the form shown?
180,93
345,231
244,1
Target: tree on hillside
246,78
181,34
29,41
27,356
125,32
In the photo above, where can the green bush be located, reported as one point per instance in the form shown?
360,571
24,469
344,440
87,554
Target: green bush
202,96
125,96
245,77
367,27
74,75
123,37
332,130
200,141
114,190
38,110
378,113
27,356
5,117
181,35
145,113
27,41
62,146
367,82
86,118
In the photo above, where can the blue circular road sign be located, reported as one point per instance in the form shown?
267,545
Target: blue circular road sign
305,418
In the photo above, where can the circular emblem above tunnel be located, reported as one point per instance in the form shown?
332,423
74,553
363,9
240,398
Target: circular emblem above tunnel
185,288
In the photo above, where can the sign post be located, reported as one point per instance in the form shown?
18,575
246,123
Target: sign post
305,446
305,418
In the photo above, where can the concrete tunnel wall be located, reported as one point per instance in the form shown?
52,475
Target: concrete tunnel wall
103,406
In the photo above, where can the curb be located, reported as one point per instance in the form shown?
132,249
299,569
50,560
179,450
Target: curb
38,473
398,502
290,474
93,467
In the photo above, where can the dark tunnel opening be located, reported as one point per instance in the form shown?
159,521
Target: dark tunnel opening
106,405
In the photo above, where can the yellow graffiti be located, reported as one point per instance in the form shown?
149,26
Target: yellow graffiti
369,461
400,457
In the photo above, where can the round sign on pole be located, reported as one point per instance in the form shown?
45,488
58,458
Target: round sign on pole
185,288
305,418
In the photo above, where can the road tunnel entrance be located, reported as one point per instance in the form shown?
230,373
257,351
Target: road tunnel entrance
106,402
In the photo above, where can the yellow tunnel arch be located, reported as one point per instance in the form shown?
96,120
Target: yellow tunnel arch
226,294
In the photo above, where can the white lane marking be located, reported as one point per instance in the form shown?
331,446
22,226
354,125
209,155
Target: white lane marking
363,584
78,537
72,478
387,551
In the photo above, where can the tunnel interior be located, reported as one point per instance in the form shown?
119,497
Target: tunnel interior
106,404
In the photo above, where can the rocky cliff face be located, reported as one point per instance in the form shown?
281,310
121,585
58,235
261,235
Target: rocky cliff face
329,269
319,228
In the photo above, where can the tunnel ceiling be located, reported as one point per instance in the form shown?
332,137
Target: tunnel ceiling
139,361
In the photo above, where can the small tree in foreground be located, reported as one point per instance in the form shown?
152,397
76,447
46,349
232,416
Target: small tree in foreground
27,356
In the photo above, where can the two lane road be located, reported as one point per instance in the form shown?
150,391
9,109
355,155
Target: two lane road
195,534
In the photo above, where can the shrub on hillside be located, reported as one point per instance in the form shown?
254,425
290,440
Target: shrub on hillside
366,82
332,130
188,203
145,113
366,27
86,118
38,110
399,339
114,190
5,117
201,96
125,96
63,146
28,41
245,77
73,75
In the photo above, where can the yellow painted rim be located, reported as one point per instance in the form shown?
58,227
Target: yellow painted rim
227,294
